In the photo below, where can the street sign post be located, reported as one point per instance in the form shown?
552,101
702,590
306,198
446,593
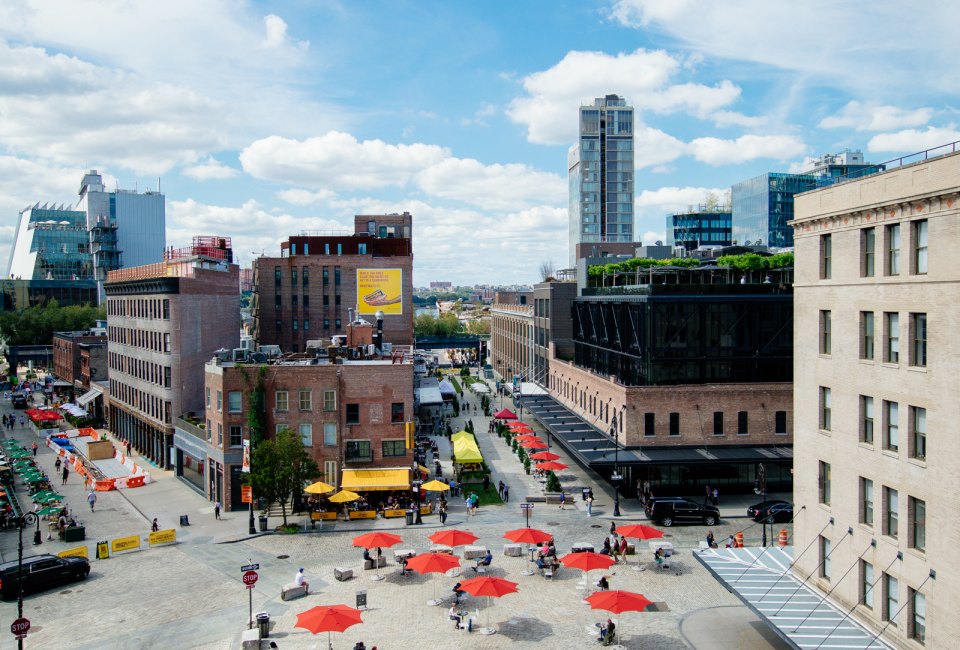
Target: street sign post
249,578
527,507
20,627
250,567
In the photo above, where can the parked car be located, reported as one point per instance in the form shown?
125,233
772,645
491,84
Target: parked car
18,401
754,511
679,510
778,513
41,572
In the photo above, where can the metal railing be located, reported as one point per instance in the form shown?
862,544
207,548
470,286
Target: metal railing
895,163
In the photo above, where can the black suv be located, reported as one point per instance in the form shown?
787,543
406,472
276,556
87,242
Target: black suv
41,572
679,510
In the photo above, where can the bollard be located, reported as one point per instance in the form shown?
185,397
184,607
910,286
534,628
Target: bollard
738,540
783,537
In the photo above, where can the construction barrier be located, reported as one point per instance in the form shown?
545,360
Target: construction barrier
80,551
783,537
131,543
137,477
162,537
738,540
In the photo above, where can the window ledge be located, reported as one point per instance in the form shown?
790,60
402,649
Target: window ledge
865,527
917,553
867,445
918,369
918,462
890,453
825,432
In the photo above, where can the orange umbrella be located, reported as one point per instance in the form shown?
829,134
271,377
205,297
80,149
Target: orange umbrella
528,437
586,562
528,536
453,537
490,587
376,540
433,563
544,455
534,444
328,618
519,426
550,465
619,602
638,531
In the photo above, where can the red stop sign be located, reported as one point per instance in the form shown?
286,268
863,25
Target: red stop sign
20,626
249,579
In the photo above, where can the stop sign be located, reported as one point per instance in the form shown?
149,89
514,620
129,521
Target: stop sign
20,627
249,579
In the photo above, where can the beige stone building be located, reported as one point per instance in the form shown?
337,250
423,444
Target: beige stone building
876,500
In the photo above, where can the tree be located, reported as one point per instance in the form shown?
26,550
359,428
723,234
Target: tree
36,325
281,468
553,483
257,414
547,270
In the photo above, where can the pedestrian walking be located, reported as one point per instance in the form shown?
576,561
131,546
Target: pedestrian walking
128,446
443,513
506,493
613,527
563,499
92,499
716,498
706,499
56,465
66,473
589,502
154,527
216,509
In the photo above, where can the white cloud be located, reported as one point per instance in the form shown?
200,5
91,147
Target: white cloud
733,118
305,197
653,147
913,140
498,187
210,169
672,199
642,77
715,151
875,117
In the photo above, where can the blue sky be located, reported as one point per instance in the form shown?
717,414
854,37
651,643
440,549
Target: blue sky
263,119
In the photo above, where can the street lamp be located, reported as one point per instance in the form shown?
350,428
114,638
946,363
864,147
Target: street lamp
615,477
760,487
417,482
27,518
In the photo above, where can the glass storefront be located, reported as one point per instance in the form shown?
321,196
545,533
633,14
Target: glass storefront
191,469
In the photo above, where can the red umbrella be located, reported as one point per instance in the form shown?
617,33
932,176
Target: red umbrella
453,537
638,531
505,414
534,444
544,455
550,464
376,540
433,563
491,587
520,428
517,424
586,561
528,536
618,602
529,437
328,618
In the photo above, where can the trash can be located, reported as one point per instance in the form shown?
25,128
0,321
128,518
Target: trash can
263,624
409,517
263,523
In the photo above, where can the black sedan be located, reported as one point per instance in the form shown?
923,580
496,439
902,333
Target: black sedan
777,514
754,510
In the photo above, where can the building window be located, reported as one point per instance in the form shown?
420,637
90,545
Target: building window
305,276
329,399
358,451
336,323
306,434
394,448
306,400
824,482
220,434
306,324
294,300
166,309
866,335
361,249
166,341
868,254
718,423
891,425
825,566
236,435
396,412
866,501
891,512
891,598
336,276
295,324
353,414
325,275
918,340
674,424
893,250
306,300
919,237
918,432
742,423
866,584
167,376
825,331
326,300
918,617
780,423
207,391
279,325
917,516
219,401
649,424
282,400
336,300
326,322
234,401
277,276
826,255
866,419
891,344
293,276
329,434
825,408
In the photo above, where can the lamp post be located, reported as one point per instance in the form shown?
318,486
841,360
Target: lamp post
23,521
760,488
615,477
417,482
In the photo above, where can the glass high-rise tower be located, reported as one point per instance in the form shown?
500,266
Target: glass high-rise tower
600,172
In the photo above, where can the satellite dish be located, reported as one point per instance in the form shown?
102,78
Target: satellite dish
659,243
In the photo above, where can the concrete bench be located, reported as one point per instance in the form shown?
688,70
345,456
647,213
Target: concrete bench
250,639
292,591
535,499
553,498
369,564
513,550
342,575
474,552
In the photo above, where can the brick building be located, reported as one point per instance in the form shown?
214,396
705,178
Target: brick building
511,336
350,412
67,347
164,321
305,293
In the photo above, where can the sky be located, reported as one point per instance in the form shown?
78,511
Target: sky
260,120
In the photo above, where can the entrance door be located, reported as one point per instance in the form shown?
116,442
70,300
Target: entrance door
330,472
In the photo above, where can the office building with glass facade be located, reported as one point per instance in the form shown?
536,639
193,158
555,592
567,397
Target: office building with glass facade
705,226
600,174
763,208
51,243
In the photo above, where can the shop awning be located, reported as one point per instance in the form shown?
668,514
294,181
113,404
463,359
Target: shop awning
466,451
375,479
461,435
88,397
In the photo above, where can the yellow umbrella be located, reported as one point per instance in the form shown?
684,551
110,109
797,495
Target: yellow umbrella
435,486
343,496
319,488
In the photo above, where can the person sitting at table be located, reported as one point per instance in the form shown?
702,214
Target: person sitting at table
658,556
711,543
603,584
366,555
455,615
403,567
606,547
61,524
457,592
606,632
486,561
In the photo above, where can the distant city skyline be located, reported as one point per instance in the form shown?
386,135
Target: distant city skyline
261,120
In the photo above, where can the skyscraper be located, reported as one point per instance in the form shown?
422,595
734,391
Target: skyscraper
600,171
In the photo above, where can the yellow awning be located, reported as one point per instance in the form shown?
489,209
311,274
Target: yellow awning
466,451
461,435
375,479
423,469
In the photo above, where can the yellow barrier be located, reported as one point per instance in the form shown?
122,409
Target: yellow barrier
394,513
425,510
125,544
323,516
363,514
163,537
80,551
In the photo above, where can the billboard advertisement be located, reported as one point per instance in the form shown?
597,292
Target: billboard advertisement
380,290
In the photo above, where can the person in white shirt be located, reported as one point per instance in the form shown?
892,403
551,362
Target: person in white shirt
301,580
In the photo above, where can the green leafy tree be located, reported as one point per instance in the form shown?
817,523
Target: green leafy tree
257,413
553,483
281,468
36,325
